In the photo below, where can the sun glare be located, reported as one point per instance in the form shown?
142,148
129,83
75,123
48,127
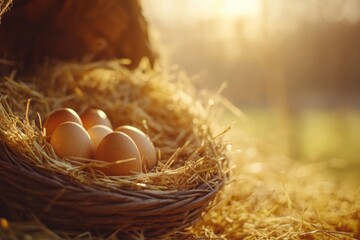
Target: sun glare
190,10
235,8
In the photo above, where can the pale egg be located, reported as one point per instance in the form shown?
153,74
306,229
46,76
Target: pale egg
92,117
58,117
71,140
97,133
143,143
120,148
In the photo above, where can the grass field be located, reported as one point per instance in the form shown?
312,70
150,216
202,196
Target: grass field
327,137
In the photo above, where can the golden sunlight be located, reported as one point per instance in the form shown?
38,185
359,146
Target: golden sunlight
235,8
280,59
189,10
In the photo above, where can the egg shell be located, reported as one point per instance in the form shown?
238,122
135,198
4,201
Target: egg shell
71,140
118,146
92,117
97,133
143,143
58,117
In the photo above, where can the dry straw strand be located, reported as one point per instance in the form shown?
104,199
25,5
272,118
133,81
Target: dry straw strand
4,6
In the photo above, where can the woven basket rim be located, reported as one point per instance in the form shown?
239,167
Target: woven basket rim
113,208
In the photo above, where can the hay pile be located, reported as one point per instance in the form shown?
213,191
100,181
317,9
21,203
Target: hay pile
271,197
191,170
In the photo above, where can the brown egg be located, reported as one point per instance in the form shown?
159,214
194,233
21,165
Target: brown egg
58,117
144,144
92,117
118,146
71,140
97,133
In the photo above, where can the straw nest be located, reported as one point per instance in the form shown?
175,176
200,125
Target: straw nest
68,195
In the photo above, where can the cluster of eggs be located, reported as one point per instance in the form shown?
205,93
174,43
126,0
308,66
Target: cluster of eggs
91,136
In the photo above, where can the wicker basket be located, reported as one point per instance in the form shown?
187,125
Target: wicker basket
67,195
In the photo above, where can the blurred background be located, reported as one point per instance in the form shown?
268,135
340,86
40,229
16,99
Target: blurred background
292,67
